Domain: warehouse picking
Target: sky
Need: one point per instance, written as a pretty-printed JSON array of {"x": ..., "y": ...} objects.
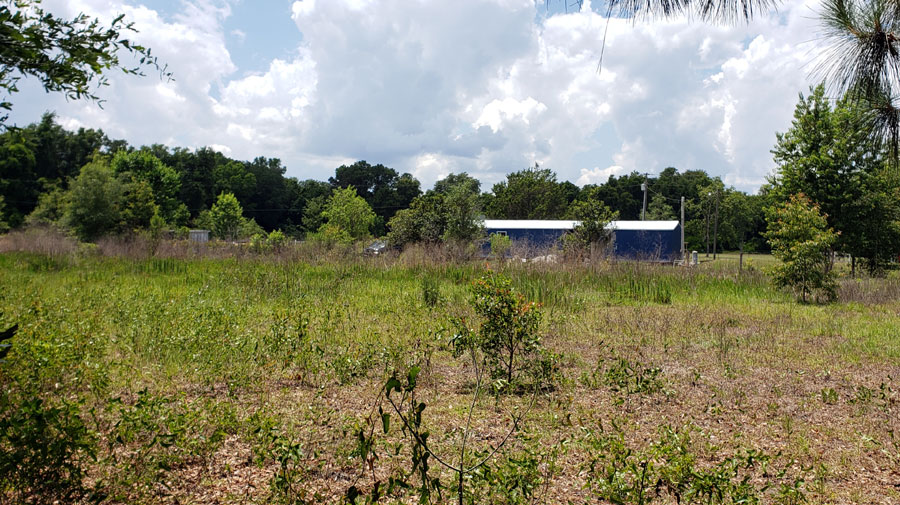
[{"x": 433, "y": 87}]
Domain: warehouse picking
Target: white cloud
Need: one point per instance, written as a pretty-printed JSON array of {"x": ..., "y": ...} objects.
[
  {"x": 434, "y": 87},
  {"x": 598, "y": 175},
  {"x": 498, "y": 112}
]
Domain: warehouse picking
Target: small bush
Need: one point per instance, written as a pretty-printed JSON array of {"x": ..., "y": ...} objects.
[
  {"x": 43, "y": 450},
  {"x": 500, "y": 245},
  {"x": 507, "y": 333}
]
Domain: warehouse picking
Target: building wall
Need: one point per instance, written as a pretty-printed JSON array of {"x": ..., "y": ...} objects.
[{"x": 652, "y": 245}]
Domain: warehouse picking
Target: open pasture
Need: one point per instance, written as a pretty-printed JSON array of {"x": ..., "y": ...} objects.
[{"x": 261, "y": 380}]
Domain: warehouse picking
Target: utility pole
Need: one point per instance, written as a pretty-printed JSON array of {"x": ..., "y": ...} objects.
[
  {"x": 716, "y": 225},
  {"x": 644, "y": 189},
  {"x": 683, "y": 258},
  {"x": 706, "y": 215}
]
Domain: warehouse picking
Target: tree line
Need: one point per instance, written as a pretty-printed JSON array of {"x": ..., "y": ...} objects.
[{"x": 93, "y": 185}]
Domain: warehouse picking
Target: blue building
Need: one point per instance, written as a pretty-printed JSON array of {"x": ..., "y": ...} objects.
[{"x": 642, "y": 240}]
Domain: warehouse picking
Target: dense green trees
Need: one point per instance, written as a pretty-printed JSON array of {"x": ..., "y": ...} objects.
[
  {"x": 450, "y": 212},
  {"x": 818, "y": 156},
  {"x": 828, "y": 156},
  {"x": 43, "y": 159},
  {"x": 381, "y": 187},
  {"x": 347, "y": 215},
  {"x": 226, "y": 216},
  {"x": 162, "y": 181},
  {"x": 93, "y": 204},
  {"x": 532, "y": 193},
  {"x": 592, "y": 231}
]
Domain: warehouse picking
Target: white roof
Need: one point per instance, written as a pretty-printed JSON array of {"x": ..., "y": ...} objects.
[
  {"x": 559, "y": 224},
  {"x": 644, "y": 225},
  {"x": 529, "y": 224}
]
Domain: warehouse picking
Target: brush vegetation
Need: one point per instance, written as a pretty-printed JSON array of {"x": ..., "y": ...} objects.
[{"x": 262, "y": 379}]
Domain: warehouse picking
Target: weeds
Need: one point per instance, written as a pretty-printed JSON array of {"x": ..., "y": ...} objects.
[
  {"x": 669, "y": 470},
  {"x": 431, "y": 295},
  {"x": 210, "y": 341},
  {"x": 621, "y": 375}
]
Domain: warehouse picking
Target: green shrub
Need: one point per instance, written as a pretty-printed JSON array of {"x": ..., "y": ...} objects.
[
  {"x": 43, "y": 450},
  {"x": 507, "y": 332},
  {"x": 801, "y": 239},
  {"x": 500, "y": 245},
  {"x": 276, "y": 240}
]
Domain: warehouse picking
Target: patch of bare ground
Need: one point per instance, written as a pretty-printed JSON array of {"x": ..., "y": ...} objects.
[{"x": 841, "y": 441}]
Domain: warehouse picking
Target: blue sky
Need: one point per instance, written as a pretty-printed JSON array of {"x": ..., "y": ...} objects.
[{"x": 432, "y": 87}]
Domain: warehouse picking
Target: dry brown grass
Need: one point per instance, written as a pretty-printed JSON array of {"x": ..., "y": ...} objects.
[{"x": 43, "y": 240}]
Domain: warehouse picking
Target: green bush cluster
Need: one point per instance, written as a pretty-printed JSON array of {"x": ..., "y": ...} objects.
[{"x": 668, "y": 470}]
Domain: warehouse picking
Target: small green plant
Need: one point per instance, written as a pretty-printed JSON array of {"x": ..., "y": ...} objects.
[
  {"x": 507, "y": 333},
  {"x": 829, "y": 396},
  {"x": 431, "y": 294},
  {"x": 276, "y": 240},
  {"x": 633, "y": 377},
  {"x": 160, "y": 432},
  {"x": 863, "y": 395},
  {"x": 624, "y": 376},
  {"x": 258, "y": 243}
]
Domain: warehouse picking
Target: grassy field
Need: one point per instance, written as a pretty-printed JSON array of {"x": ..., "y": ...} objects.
[{"x": 262, "y": 381}]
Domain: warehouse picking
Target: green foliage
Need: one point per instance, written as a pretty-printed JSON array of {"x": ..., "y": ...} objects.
[
  {"x": 277, "y": 239},
  {"x": 159, "y": 432},
  {"x": 642, "y": 288},
  {"x": 50, "y": 208},
  {"x": 157, "y": 225},
  {"x": 94, "y": 201},
  {"x": 66, "y": 56},
  {"x": 142, "y": 167},
  {"x": 139, "y": 207},
  {"x": 463, "y": 213},
  {"x": 226, "y": 217},
  {"x": 431, "y": 294},
  {"x": 44, "y": 449},
  {"x": 347, "y": 212},
  {"x": 659, "y": 209},
  {"x": 668, "y": 470},
  {"x": 592, "y": 230},
  {"x": 828, "y": 156},
  {"x": 500, "y": 245},
  {"x": 801, "y": 240},
  {"x": 379, "y": 186},
  {"x": 233, "y": 177},
  {"x": 532, "y": 193},
  {"x": 424, "y": 221},
  {"x": 513, "y": 479},
  {"x": 330, "y": 235},
  {"x": 621, "y": 375},
  {"x": 507, "y": 333},
  {"x": 4, "y": 225},
  {"x": 450, "y": 213}
]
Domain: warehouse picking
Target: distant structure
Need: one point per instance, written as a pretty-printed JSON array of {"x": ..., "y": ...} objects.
[
  {"x": 199, "y": 235},
  {"x": 636, "y": 240}
]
